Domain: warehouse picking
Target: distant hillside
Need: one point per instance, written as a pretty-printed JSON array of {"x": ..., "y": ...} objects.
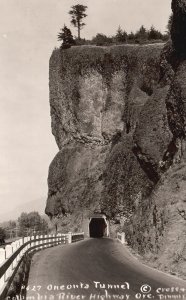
[{"x": 35, "y": 205}]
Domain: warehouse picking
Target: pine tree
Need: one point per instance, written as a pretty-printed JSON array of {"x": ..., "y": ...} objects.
[
  {"x": 66, "y": 37},
  {"x": 121, "y": 36},
  {"x": 142, "y": 34},
  {"x": 154, "y": 34},
  {"x": 131, "y": 36},
  {"x": 77, "y": 13}
]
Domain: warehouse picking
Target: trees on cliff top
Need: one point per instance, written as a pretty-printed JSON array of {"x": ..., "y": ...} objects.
[
  {"x": 121, "y": 36},
  {"x": 66, "y": 37},
  {"x": 77, "y": 13}
]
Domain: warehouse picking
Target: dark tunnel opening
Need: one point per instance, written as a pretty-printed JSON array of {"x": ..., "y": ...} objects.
[{"x": 97, "y": 227}]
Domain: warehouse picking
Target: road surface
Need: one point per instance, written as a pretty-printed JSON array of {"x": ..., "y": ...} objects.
[{"x": 97, "y": 269}]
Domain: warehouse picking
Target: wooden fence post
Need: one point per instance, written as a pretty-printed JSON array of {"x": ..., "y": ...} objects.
[
  {"x": 58, "y": 238},
  {"x": 28, "y": 239},
  {"x": 31, "y": 241},
  {"x": 37, "y": 243},
  {"x": 2, "y": 259},
  {"x": 45, "y": 241},
  {"x": 61, "y": 239},
  {"x": 70, "y": 237},
  {"x": 123, "y": 238},
  {"x": 49, "y": 240},
  {"x": 41, "y": 242},
  {"x": 14, "y": 248},
  {"x": 53, "y": 240},
  {"x": 17, "y": 246},
  {"x": 8, "y": 252},
  {"x": 25, "y": 240},
  {"x": 20, "y": 241}
]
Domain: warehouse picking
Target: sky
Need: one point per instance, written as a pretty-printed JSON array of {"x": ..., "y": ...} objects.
[{"x": 28, "y": 34}]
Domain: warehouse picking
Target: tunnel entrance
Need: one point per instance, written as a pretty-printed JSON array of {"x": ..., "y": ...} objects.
[{"x": 98, "y": 227}]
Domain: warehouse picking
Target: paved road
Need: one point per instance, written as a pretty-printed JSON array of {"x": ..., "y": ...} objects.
[{"x": 97, "y": 269}]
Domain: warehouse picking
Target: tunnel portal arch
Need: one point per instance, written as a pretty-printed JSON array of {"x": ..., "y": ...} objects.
[{"x": 98, "y": 226}]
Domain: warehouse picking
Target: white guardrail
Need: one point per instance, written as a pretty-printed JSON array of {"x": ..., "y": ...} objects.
[
  {"x": 13, "y": 255},
  {"x": 121, "y": 237}
]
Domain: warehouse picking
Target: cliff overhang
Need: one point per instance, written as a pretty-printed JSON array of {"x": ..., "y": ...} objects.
[{"x": 118, "y": 116}]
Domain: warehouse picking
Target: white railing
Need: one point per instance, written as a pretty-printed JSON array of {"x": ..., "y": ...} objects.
[
  {"x": 121, "y": 237},
  {"x": 13, "y": 255}
]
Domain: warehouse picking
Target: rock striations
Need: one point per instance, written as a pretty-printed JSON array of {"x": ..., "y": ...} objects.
[{"x": 118, "y": 117}]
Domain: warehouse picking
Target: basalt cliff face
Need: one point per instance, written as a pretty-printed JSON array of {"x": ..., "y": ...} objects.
[{"x": 118, "y": 117}]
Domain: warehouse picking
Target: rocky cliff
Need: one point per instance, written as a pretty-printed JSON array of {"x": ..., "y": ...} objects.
[{"x": 118, "y": 117}]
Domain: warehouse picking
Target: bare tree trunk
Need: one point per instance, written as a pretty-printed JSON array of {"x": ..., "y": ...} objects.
[
  {"x": 78, "y": 33},
  {"x": 79, "y": 30}
]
